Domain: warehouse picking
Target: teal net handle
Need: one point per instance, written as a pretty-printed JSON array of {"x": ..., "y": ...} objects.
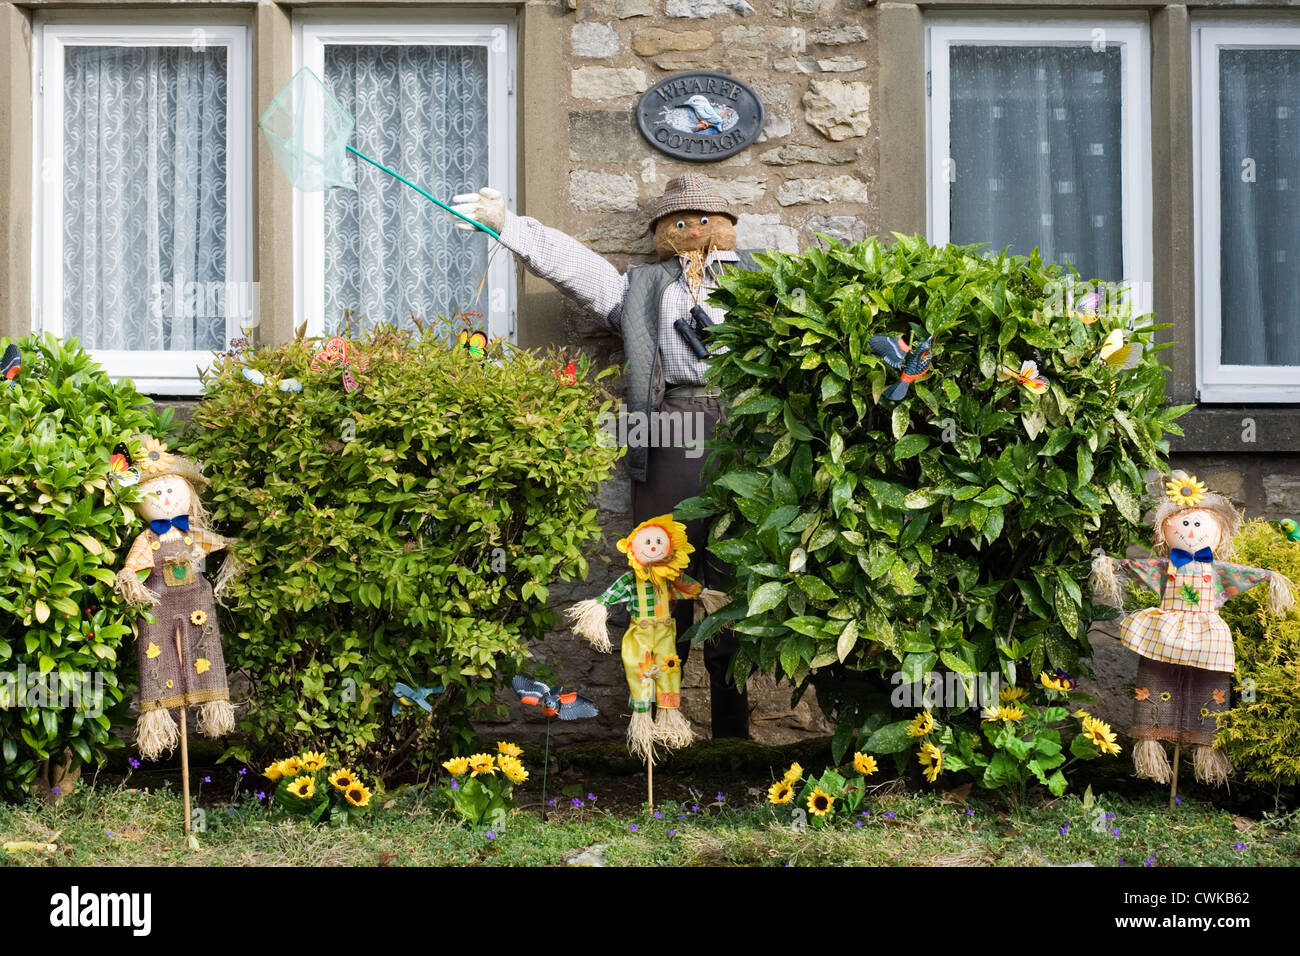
[{"x": 433, "y": 199}]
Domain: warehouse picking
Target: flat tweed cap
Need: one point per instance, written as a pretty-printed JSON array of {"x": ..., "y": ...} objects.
[{"x": 689, "y": 192}]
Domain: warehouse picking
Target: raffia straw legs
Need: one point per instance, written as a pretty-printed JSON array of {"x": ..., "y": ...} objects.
[
  {"x": 156, "y": 734},
  {"x": 672, "y": 729},
  {"x": 216, "y": 718},
  {"x": 1211, "y": 766},
  {"x": 1150, "y": 761},
  {"x": 641, "y": 736}
]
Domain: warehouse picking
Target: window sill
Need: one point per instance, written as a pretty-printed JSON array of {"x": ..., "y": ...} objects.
[{"x": 1240, "y": 429}]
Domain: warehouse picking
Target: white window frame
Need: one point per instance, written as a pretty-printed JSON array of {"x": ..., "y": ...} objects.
[
  {"x": 943, "y": 32},
  {"x": 312, "y": 33},
  {"x": 1216, "y": 382},
  {"x": 155, "y": 372}
]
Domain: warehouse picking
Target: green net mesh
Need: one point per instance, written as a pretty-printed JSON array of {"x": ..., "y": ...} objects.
[{"x": 308, "y": 132}]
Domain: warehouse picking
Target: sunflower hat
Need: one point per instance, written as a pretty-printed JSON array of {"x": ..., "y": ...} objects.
[
  {"x": 679, "y": 553},
  {"x": 154, "y": 460}
]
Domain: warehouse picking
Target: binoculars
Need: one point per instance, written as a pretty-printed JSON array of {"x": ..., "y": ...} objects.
[{"x": 696, "y": 331}]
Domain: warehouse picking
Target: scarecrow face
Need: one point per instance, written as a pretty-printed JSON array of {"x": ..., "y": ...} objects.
[
  {"x": 164, "y": 497},
  {"x": 1192, "y": 530},
  {"x": 651, "y": 545},
  {"x": 680, "y": 232}
]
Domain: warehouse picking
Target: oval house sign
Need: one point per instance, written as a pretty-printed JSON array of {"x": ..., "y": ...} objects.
[{"x": 700, "y": 116}]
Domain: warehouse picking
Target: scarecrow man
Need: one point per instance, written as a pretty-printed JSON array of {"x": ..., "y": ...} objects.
[
  {"x": 658, "y": 553},
  {"x": 694, "y": 239}
]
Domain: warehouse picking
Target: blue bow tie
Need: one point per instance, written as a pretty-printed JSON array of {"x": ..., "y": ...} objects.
[
  {"x": 162, "y": 525},
  {"x": 1180, "y": 557}
]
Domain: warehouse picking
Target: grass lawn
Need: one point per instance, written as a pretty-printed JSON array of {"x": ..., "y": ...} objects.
[{"x": 120, "y": 824}]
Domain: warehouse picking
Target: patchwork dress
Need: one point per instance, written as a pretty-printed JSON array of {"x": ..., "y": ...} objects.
[
  {"x": 650, "y": 662},
  {"x": 1186, "y": 655},
  {"x": 186, "y": 603}
]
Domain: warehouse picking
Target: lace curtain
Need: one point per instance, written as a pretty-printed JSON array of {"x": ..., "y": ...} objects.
[
  {"x": 1259, "y": 164},
  {"x": 1035, "y": 142},
  {"x": 144, "y": 196},
  {"x": 389, "y": 252}
]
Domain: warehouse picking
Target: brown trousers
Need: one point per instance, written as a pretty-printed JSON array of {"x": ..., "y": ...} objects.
[{"x": 673, "y": 474}]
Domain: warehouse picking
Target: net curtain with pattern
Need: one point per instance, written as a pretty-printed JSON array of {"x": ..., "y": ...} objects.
[
  {"x": 1035, "y": 139},
  {"x": 1259, "y": 242},
  {"x": 390, "y": 253},
  {"x": 144, "y": 197}
]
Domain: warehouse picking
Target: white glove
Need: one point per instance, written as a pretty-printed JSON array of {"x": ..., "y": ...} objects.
[{"x": 486, "y": 206}]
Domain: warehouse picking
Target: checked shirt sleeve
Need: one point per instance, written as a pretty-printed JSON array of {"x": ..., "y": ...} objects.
[
  {"x": 140, "y": 556},
  {"x": 622, "y": 591},
  {"x": 567, "y": 264}
]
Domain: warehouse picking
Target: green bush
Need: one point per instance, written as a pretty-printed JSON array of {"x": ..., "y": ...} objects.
[
  {"x": 62, "y": 537},
  {"x": 949, "y": 532},
  {"x": 1262, "y": 736},
  {"x": 407, "y": 531}
]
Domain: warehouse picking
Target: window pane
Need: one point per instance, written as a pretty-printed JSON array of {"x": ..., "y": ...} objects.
[
  {"x": 1259, "y": 163},
  {"x": 1035, "y": 144},
  {"x": 389, "y": 252},
  {"x": 144, "y": 197}
]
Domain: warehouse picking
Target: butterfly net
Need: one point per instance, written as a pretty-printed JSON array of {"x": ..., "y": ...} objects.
[{"x": 308, "y": 132}]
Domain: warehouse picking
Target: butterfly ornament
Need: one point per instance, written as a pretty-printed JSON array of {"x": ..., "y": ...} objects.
[
  {"x": 121, "y": 467},
  {"x": 336, "y": 351},
  {"x": 1028, "y": 376},
  {"x": 475, "y": 343},
  {"x": 1115, "y": 351},
  {"x": 912, "y": 363}
]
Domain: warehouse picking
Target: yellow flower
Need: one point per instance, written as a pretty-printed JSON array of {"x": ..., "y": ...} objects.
[
  {"x": 312, "y": 761},
  {"x": 170, "y": 684},
  {"x": 1012, "y": 695},
  {"x": 198, "y": 618},
  {"x": 864, "y": 764},
  {"x": 820, "y": 802},
  {"x": 202, "y": 665},
  {"x": 456, "y": 766},
  {"x": 291, "y": 766},
  {"x": 273, "y": 772},
  {"x": 1205, "y": 712},
  {"x": 671, "y": 663},
  {"x": 780, "y": 792},
  {"x": 482, "y": 763},
  {"x": 152, "y": 651},
  {"x": 512, "y": 768},
  {"x": 1099, "y": 733},
  {"x": 1054, "y": 683},
  {"x": 304, "y": 787},
  {"x": 357, "y": 795},
  {"x": 1012, "y": 712},
  {"x": 155, "y": 457},
  {"x": 1185, "y": 492},
  {"x": 921, "y": 724},
  {"x": 931, "y": 758},
  {"x": 342, "y": 779},
  {"x": 793, "y": 774},
  {"x": 509, "y": 749},
  {"x": 1166, "y": 696}
]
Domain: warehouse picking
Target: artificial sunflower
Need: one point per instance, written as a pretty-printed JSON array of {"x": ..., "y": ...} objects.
[
  {"x": 170, "y": 684},
  {"x": 290, "y": 766},
  {"x": 1166, "y": 696},
  {"x": 1059, "y": 682},
  {"x": 273, "y": 772},
  {"x": 780, "y": 792},
  {"x": 509, "y": 749},
  {"x": 198, "y": 618},
  {"x": 671, "y": 663},
  {"x": 1142, "y": 693},
  {"x": 312, "y": 761},
  {"x": 1011, "y": 712},
  {"x": 202, "y": 665},
  {"x": 661, "y": 572},
  {"x": 155, "y": 457},
  {"x": 304, "y": 787},
  {"x": 1205, "y": 712},
  {"x": 820, "y": 802},
  {"x": 1185, "y": 492},
  {"x": 1013, "y": 695},
  {"x": 152, "y": 651},
  {"x": 482, "y": 763},
  {"x": 1099, "y": 733},
  {"x": 456, "y": 766},
  {"x": 358, "y": 795},
  {"x": 512, "y": 768},
  {"x": 342, "y": 779},
  {"x": 793, "y": 774},
  {"x": 864, "y": 764},
  {"x": 921, "y": 724},
  {"x": 1081, "y": 713},
  {"x": 931, "y": 758}
]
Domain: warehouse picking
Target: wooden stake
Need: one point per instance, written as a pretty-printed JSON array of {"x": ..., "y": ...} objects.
[
  {"x": 1173, "y": 779},
  {"x": 650, "y": 779},
  {"x": 185, "y": 743}
]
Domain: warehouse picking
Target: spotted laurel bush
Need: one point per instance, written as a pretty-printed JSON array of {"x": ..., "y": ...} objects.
[
  {"x": 406, "y": 531},
  {"x": 62, "y": 535},
  {"x": 950, "y": 532}
]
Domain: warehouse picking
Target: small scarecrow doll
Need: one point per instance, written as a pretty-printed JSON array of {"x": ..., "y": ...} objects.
[
  {"x": 657, "y": 551},
  {"x": 1185, "y": 648},
  {"x": 180, "y": 599}
]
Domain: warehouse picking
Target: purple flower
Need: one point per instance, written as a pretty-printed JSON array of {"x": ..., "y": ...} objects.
[
  {"x": 1065, "y": 830},
  {"x": 551, "y": 801},
  {"x": 456, "y": 786},
  {"x": 695, "y": 808},
  {"x": 659, "y": 814},
  {"x": 491, "y": 835},
  {"x": 1178, "y": 800},
  {"x": 1109, "y": 816},
  {"x": 577, "y": 801},
  {"x": 632, "y": 827},
  {"x": 261, "y": 794},
  {"x": 1240, "y": 846},
  {"x": 1121, "y": 861},
  {"x": 135, "y": 764},
  {"x": 1114, "y": 831},
  {"x": 858, "y": 824},
  {"x": 1149, "y": 861},
  {"x": 672, "y": 833},
  {"x": 681, "y": 816},
  {"x": 56, "y": 791},
  {"x": 207, "y": 779},
  {"x": 243, "y": 771},
  {"x": 591, "y": 797},
  {"x": 970, "y": 813},
  {"x": 721, "y": 796},
  {"x": 110, "y": 833},
  {"x": 889, "y": 815},
  {"x": 866, "y": 813}
]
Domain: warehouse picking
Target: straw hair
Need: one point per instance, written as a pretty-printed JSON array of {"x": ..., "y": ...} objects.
[{"x": 1211, "y": 766}]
